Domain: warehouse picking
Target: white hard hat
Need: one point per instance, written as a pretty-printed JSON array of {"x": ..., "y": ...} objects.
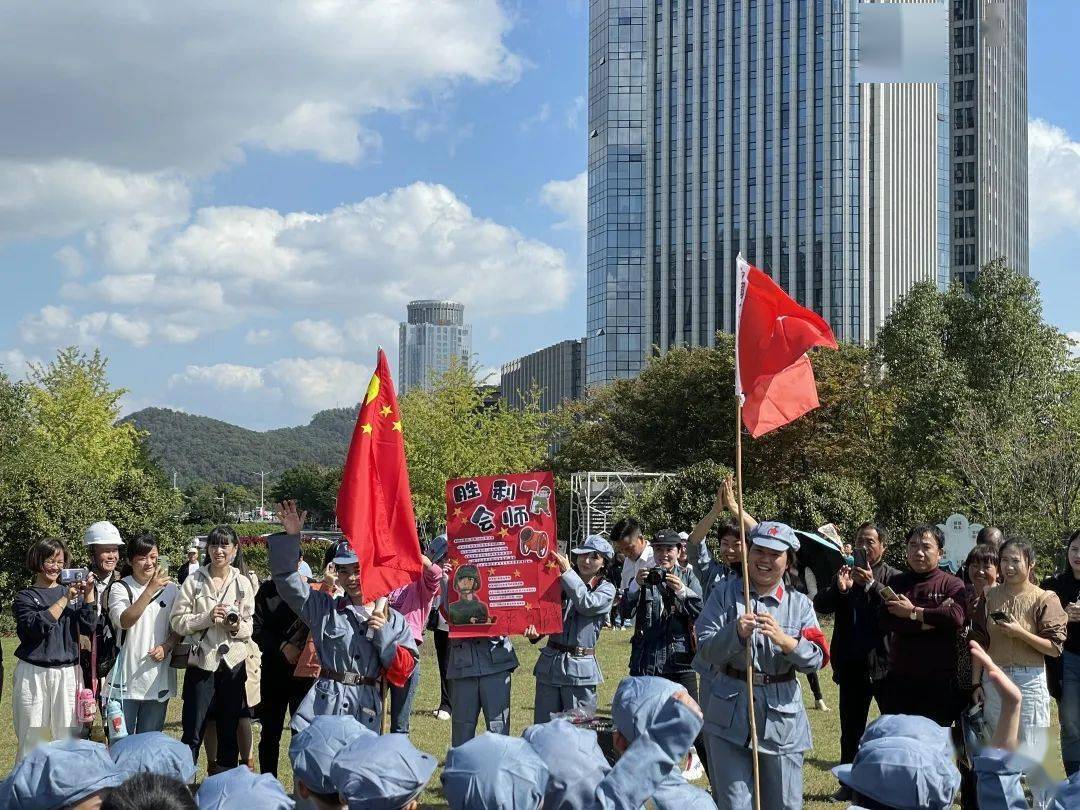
[{"x": 102, "y": 533}]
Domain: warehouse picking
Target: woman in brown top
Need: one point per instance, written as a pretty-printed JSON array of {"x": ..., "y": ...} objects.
[{"x": 1024, "y": 623}]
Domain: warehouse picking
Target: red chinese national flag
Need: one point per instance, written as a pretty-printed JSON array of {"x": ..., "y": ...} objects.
[
  {"x": 374, "y": 506},
  {"x": 773, "y": 375}
]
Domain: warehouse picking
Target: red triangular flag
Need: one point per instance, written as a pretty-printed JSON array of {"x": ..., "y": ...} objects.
[
  {"x": 374, "y": 505},
  {"x": 773, "y": 375}
]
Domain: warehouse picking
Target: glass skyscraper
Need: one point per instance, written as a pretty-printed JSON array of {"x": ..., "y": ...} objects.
[
  {"x": 616, "y": 305},
  {"x": 988, "y": 65},
  {"x": 748, "y": 132}
]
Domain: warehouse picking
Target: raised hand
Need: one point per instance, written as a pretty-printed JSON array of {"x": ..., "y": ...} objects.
[{"x": 292, "y": 520}]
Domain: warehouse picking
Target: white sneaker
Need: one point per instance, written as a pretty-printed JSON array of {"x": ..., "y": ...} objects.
[
  {"x": 442, "y": 714},
  {"x": 821, "y": 707},
  {"x": 694, "y": 769}
]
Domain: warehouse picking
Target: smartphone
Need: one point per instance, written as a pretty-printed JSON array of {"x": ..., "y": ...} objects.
[
  {"x": 1000, "y": 616},
  {"x": 860, "y": 558},
  {"x": 69, "y": 576},
  {"x": 888, "y": 594}
]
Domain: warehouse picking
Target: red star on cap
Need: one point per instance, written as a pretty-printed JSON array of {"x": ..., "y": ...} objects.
[{"x": 773, "y": 531}]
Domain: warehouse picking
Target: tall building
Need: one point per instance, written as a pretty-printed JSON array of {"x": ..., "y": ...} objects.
[
  {"x": 988, "y": 65},
  {"x": 434, "y": 336},
  {"x": 749, "y": 132},
  {"x": 616, "y": 307},
  {"x": 555, "y": 373}
]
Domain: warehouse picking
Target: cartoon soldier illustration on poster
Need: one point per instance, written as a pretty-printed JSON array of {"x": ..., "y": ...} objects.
[{"x": 468, "y": 609}]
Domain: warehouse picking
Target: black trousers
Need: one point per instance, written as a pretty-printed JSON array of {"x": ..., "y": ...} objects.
[
  {"x": 856, "y": 693},
  {"x": 280, "y": 692},
  {"x": 690, "y": 684},
  {"x": 815, "y": 685},
  {"x": 933, "y": 697},
  {"x": 442, "y": 652},
  {"x": 200, "y": 689}
]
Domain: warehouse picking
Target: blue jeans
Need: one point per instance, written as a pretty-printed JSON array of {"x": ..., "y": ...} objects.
[
  {"x": 144, "y": 715},
  {"x": 1069, "y": 712},
  {"x": 401, "y": 700}
]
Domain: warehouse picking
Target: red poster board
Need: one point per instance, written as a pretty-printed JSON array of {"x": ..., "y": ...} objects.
[{"x": 504, "y": 577}]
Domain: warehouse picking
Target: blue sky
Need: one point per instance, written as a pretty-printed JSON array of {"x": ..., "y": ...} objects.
[{"x": 236, "y": 206}]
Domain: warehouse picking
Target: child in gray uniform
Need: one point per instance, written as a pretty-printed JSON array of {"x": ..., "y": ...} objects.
[{"x": 567, "y": 673}]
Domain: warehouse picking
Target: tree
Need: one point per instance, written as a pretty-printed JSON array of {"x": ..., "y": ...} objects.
[
  {"x": 451, "y": 433},
  {"x": 313, "y": 486},
  {"x": 66, "y": 463}
]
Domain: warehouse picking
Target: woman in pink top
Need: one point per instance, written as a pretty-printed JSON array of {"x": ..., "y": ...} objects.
[{"x": 413, "y": 601}]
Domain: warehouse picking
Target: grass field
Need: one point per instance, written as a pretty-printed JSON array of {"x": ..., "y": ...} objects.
[{"x": 433, "y": 735}]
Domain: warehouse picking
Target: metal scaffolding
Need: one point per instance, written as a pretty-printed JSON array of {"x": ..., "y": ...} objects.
[{"x": 595, "y": 495}]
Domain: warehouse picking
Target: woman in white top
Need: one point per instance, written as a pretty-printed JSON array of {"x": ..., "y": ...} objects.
[
  {"x": 214, "y": 609},
  {"x": 140, "y": 605}
]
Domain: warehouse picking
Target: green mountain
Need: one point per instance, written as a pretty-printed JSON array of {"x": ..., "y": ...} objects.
[{"x": 215, "y": 451}]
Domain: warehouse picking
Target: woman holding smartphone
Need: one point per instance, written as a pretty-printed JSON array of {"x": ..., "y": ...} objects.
[
  {"x": 139, "y": 608},
  {"x": 1023, "y": 623},
  {"x": 1067, "y": 587},
  {"x": 49, "y": 616}
]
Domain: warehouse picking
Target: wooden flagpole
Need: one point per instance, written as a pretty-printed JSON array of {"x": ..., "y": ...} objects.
[{"x": 747, "y": 604}]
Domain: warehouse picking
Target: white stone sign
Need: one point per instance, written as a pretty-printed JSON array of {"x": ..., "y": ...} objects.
[{"x": 959, "y": 537}]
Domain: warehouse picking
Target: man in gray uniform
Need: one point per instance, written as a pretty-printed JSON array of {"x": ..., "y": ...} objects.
[
  {"x": 479, "y": 673},
  {"x": 357, "y": 647}
]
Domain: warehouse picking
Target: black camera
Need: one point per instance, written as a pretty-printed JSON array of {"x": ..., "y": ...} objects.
[
  {"x": 232, "y": 617},
  {"x": 656, "y": 575}
]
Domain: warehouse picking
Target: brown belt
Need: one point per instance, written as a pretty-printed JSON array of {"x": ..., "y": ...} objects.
[
  {"x": 349, "y": 678},
  {"x": 577, "y": 652},
  {"x": 760, "y": 678}
]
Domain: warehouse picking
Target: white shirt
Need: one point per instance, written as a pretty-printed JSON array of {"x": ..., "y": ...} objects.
[
  {"x": 630, "y": 569},
  {"x": 192, "y": 567},
  {"x": 145, "y": 678}
]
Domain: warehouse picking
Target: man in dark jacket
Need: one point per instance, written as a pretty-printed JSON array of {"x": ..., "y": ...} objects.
[
  {"x": 859, "y": 658},
  {"x": 668, "y": 603}
]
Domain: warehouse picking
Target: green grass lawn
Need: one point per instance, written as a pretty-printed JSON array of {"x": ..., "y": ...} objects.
[{"x": 433, "y": 735}]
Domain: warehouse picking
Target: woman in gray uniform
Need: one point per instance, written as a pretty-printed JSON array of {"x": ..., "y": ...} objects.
[{"x": 567, "y": 673}]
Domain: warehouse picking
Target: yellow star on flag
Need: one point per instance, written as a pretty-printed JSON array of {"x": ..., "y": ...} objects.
[
  {"x": 386, "y": 410},
  {"x": 397, "y": 426},
  {"x": 367, "y": 428}
]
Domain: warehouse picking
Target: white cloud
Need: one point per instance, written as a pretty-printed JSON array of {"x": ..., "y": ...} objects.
[
  {"x": 223, "y": 377},
  {"x": 305, "y": 385},
  {"x": 569, "y": 199},
  {"x": 541, "y": 116},
  {"x": 150, "y": 98},
  {"x": 58, "y": 326},
  {"x": 62, "y": 196},
  {"x": 148, "y": 86},
  {"x": 16, "y": 363},
  {"x": 258, "y": 337},
  {"x": 321, "y": 336},
  {"x": 1054, "y": 179},
  {"x": 320, "y": 382},
  {"x": 373, "y": 256},
  {"x": 575, "y": 113}
]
